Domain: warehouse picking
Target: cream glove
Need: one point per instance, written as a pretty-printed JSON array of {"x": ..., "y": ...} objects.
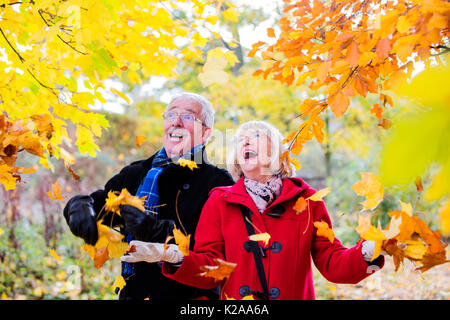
[
  {"x": 153, "y": 252},
  {"x": 367, "y": 249}
]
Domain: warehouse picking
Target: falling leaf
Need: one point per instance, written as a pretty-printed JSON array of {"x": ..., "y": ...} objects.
[
  {"x": 319, "y": 194},
  {"x": 120, "y": 94},
  {"x": 56, "y": 189},
  {"x": 101, "y": 256},
  {"x": 55, "y": 255},
  {"x": 189, "y": 163},
  {"x": 74, "y": 175},
  {"x": 213, "y": 71},
  {"x": 300, "y": 205},
  {"x": 119, "y": 282},
  {"x": 406, "y": 207},
  {"x": 140, "y": 140},
  {"x": 182, "y": 241},
  {"x": 265, "y": 237},
  {"x": 418, "y": 183},
  {"x": 324, "y": 230},
  {"x": 369, "y": 186},
  {"x": 220, "y": 271},
  {"x": 113, "y": 201},
  {"x": 385, "y": 123}
]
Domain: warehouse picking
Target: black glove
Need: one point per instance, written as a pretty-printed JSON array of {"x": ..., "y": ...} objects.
[
  {"x": 137, "y": 222},
  {"x": 144, "y": 226},
  {"x": 81, "y": 218}
]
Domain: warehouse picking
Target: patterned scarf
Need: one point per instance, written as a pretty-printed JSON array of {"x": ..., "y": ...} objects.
[
  {"x": 149, "y": 188},
  {"x": 263, "y": 194}
]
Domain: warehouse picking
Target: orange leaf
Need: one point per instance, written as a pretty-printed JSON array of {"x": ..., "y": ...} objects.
[
  {"x": 140, "y": 140},
  {"x": 385, "y": 123},
  {"x": 270, "y": 33},
  {"x": 101, "y": 256},
  {"x": 377, "y": 110},
  {"x": 418, "y": 183},
  {"x": 56, "y": 189},
  {"x": 324, "y": 230},
  {"x": 220, "y": 271},
  {"x": 353, "y": 54},
  {"x": 383, "y": 48},
  {"x": 339, "y": 103},
  {"x": 430, "y": 260},
  {"x": 300, "y": 205}
]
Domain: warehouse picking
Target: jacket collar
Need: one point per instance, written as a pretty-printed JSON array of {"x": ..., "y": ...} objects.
[
  {"x": 198, "y": 156},
  {"x": 291, "y": 188}
]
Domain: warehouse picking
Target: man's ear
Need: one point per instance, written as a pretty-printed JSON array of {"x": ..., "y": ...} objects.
[{"x": 206, "y": 134}]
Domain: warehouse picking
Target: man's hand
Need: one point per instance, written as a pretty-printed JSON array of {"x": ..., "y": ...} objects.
[
  {"x": 137, "y": 222},
  {"x": 153, "y": 252},
  {"x": 81, "y": 218}
]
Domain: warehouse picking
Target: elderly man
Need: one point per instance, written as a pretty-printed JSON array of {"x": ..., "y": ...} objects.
[{"x": 175, "y": 197}]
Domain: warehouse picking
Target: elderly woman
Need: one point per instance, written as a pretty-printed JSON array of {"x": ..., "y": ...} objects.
[{"x": 262, "y": 201}]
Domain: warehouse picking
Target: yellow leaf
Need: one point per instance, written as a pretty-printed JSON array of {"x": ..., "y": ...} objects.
[
  {"x": 56, "y": 188},
  {"x": 369, "y": 186},
  {"x": 265, "y": 237},
  {"x": 120, "y": 94},
  {"x": 231, "y": 15},
  {"x": 324, "y": 230},
  {"x": 55, "y": 255},
  {"x": 182, "y": 241},
  {"x": 406, "y": 207},
  {"x": 117, "y": 249},
  {"x": 213, "y": 72},
  {"x": 6, "y": 178},
  {"x": 119, "y": 282},
  {"x": 189, "y": 163},
  {"x": 319, "y": 194}
]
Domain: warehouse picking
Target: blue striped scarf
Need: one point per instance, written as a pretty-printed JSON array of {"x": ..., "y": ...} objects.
[{"x": 149, "y": 188}]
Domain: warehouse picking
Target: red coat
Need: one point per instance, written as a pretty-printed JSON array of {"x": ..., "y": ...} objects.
[{"x": 221, "y": 233}]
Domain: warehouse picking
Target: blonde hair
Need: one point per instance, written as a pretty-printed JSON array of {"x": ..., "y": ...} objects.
[{"x": 279, "y": 165}]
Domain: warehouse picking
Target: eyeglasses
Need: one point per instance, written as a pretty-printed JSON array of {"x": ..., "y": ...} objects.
[{"x": 185, "y": 117}]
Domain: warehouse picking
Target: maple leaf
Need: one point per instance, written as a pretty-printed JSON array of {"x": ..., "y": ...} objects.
[
  {"x": 220, "y": 271},
  {"x": 319, "y": 195},
  {"x": 430, "y": 260},
  {"x": 114, "y": 200},
  {"x": 189, "y": 163},
  {"x": 100, "y": 257},
  {"x": 182, "y": 241},
  {"x": 324, "y": 230},
  {"x": 56, "y": 189},
  {"x": 369, "y": 186},
  {"x": 264, "y": 237},
  {"x": 55, "y": 255},
  {"x": 140, "y": 140},
  {"x": 300, "y": 205}
]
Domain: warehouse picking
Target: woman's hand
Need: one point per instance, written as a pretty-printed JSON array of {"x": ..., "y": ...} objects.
[
  {"x": 367, "y": 249},
  {"x": 153, "y": 252}
]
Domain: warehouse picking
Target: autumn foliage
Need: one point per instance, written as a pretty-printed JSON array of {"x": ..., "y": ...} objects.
[{"x": 349, "y": 48}]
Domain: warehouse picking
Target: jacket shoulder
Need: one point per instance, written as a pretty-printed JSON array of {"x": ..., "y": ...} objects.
[{"x": 220, "y": 175}]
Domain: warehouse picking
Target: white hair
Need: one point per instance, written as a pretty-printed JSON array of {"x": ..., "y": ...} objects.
[
  {"x": 279, "y": 164},
  {"x": 207, "y": 114}
]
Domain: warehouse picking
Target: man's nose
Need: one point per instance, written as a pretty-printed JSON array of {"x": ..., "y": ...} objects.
[{"x": 177, "y": 122}]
